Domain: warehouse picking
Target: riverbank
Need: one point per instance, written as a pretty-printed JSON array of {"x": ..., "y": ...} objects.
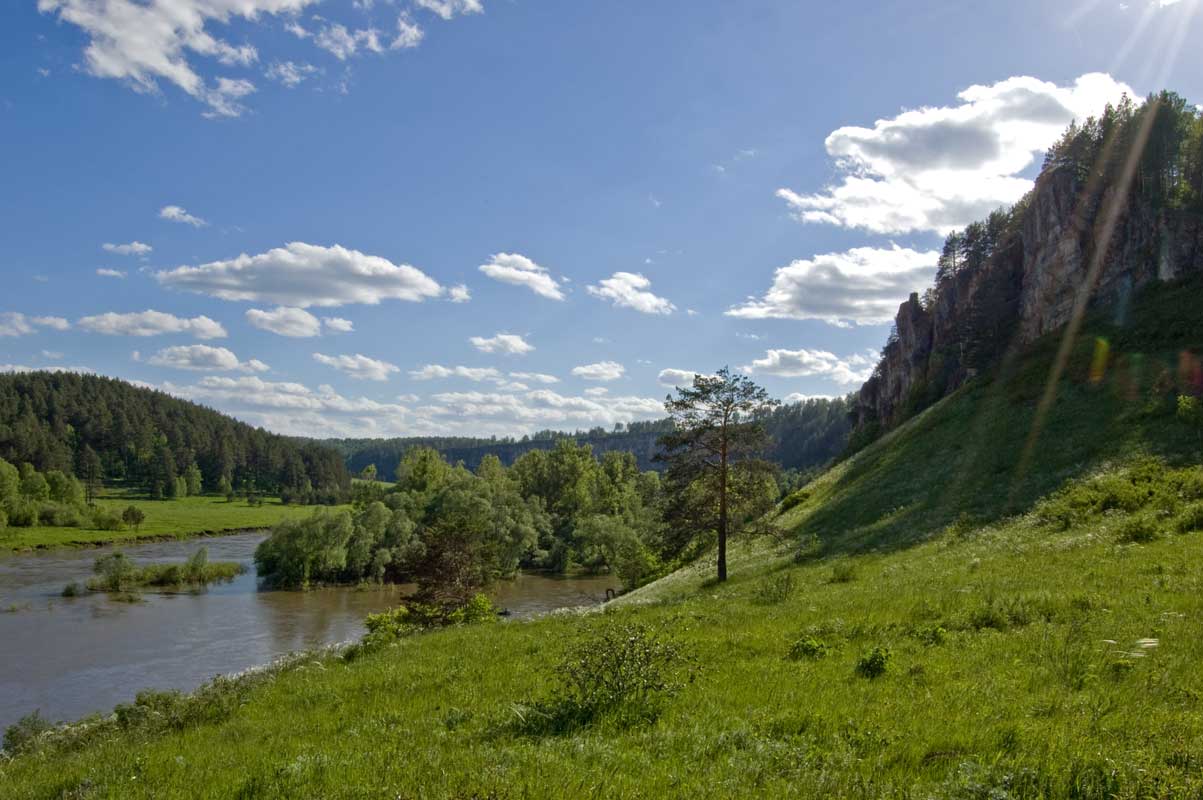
[
  {"x": 185, "y": 518},
  {"x": 1012, "y": 657}
]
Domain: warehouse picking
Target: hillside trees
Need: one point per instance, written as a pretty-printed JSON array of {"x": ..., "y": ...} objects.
[{"x": 714, "y": 467}]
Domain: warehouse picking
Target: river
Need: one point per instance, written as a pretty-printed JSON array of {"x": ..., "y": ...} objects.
[{"x": 69, "y": 657}]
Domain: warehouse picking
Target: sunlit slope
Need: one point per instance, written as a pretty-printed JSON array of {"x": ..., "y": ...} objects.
[{"x": 986, "y": 452}]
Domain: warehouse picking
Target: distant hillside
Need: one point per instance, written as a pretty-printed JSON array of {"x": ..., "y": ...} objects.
[
  {"x": 1118, "y": 206},
  {"x": 805, "y": 435},
  {"x": 145, "y": 437}
]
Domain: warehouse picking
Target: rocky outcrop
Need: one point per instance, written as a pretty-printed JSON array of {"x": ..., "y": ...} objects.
[{"x": 1028, "y": 288}]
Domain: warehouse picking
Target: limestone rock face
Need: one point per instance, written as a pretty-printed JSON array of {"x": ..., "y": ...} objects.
[{"x": 1028, "y": 288}]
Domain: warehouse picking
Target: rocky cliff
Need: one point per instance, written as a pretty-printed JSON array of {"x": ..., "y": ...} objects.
[{"x": 1028, "y": 287}]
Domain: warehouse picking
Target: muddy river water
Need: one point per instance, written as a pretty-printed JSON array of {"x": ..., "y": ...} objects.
[{"x": 68, "y": 657}]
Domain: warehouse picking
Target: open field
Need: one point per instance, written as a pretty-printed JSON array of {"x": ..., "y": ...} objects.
[{"x": 165, "y": 519}]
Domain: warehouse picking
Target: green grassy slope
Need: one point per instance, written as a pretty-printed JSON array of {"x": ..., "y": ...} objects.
[
  {"x": 165, "y": 519},
  {"x": 1041, "y": 616}
]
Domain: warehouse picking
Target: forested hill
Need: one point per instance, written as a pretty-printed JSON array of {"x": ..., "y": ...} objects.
[
  {"x": 143, "y": 437},
  {"x": 1118, "y": 205},
  {"x": 805, "y": 435}
]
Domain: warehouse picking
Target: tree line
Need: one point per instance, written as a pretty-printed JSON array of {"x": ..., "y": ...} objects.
[{"x": 106, "y": 430}]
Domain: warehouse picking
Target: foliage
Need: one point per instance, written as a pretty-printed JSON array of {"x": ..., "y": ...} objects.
[
  {"x": 874, "y": 663},
  {"x": 133, "y": 516},
  {"x": 24, "y": 732},
  {"x": 809, "y": 647},
  {"x": 413, "y": 616},
  {"x": 116, "y": 573},
  {"x": 143, "y": 437},
  {"x": 619, "y": 671},
  {"x": 715, "y": 444}
]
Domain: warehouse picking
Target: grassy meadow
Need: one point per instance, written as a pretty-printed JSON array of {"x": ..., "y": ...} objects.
[
  {"x": 165, "y": 519},
  {"x": 957, "y": 611}
]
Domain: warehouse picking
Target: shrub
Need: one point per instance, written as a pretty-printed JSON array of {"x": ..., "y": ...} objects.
[
  {"x": 114, "y": 573},
  {"x": 104, "y": 519},
  {"x": 73, "y": 589},
  {"x": 59, "y": 516},
  {"x": 24, "y": 732},
  {"x": 133, "y": 516},
  {"x": 22, "y": 512},
  {"x": 808, "y": 647},
  {"x": 389, "y": 626},
  {"x": 622, "y": 671},
  {"x": 843, "y": 572},
  {"x": 1138, "y": 530},
  {"x": 931, "y": 635},
  {"x": 809, "y": 547},
  {"x": 1191, "y": 519},
  {"x": 3, "y": 519},
  {"x": 795, "y": 499},
  {"x": 774, "y": 590},
  {"x": 874, "y": 663}
]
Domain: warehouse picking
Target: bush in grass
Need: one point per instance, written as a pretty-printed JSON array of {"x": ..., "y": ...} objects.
[
  {"x": 808, "y": 647},
  {"x": 1138, "y": 530},
  {"x": 21, "y": 511},
  {"x": 133, "y": 516},
  {"x": 105, "y": 519},
  {"x": 59, "y": 516},
  {"x": 874, "y": 663},
  {"x": 1190, "y": 519},
  {"x": 795, "y": 499},
  {"x": 620, "y": 671},
  {"x": 843, "y": 572},
  {"x": 411, "y": 617},
  {"x": 774, "y": 590},
  {"x": 931, "y": 635},
  {"x": 24, "y": 732}
]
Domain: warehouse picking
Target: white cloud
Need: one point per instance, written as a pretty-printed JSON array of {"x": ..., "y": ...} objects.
[
  {"x": 359, "y": 367},
  {"x": 630, "y": 290},
  {"x": 449, "y": 8},
  {"x": 798, "y": 397},
  {"x": 132, "y": 249},
  {"x": 601, "y": 371},
  {"x": 111, "y": 273},
  {"x": 815, "y": 363},
  {"x": 676, "y": 377},
  {"x": 507, "y": 343},
  {"x": 152, "y": 323},
  {"x": 459, "y": 293},
  {"x": 304, "y": 275},
  {"x": 203, "y": 358},
  {"x": 290, "y": 73},
  {"x": 142, "y": 44},
  {"x": 409, "y": 34},
  {"x": 14, "y": 323},
  {"x": 53, "y": 355},
  {"x": 863, "y": 286},
  {"x": 596, "y": 391},
  {"x": 939, "y": 168},
  {"x": 535, "y": 377},
  {"x": 520, "y": 412},
  {"x": 343, "y": 43},
  {"x": 178, "y": 214},
  {"x": 296, "y": 323},
  {"x": 46, "y": 368},
  {"x": 338, "y": 324},
  {"x": 521, "y": 271},
  {"x": 433, "y": 371}
]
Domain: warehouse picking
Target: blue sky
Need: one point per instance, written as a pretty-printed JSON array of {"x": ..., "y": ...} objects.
[{"x": 409, "y": 217}]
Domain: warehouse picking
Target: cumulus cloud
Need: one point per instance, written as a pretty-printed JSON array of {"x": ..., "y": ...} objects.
[
  {"x": 296, "y": 323},
  {"x": 152, "y": 323},
  {"x": 862, "y": 286},
  {"x": 601, "y": 371},
  {"x": 338, "y": 324},
  {"x": 409, "y": 34},
  {"x": 534, "y": 377},
  {"x": 305, "y": 275},
  {"x": 519, "y": 270},
  {"x": 131, "y": 249},
  {"x": 111, "y": 273},
  {"x": 798, "y": 397},
  {"x": 359, "y": 367},
  {"x": 46, "y": 368},
  {"x": 290, "y": 73},
  {"x": 203, "y": 358},
  {"x": 342, "y": 43},
  {"x": 459, "y": 293},
  {"x": 630, "y": 290},
  {"x": 14, "y": 323},
  {"x": 449, "y": 8},
  {"x": 806, "y": 363},
  {"x": 519, "y": 412},
  {"x": 939, "y": 168},
  {"x": 676, "y": 377},
  {"x": 178, "y": 214},
  {"x": 437, "y": 371},
  {"x": 143, "y": 44},
  {"x": 506, "y": 343}
]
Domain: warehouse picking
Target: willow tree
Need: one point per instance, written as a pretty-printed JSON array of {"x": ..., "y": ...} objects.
[{"x": 714, "y": 470}]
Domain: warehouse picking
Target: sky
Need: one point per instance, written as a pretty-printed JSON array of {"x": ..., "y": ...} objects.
[{"x": 491, "y": 217}]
